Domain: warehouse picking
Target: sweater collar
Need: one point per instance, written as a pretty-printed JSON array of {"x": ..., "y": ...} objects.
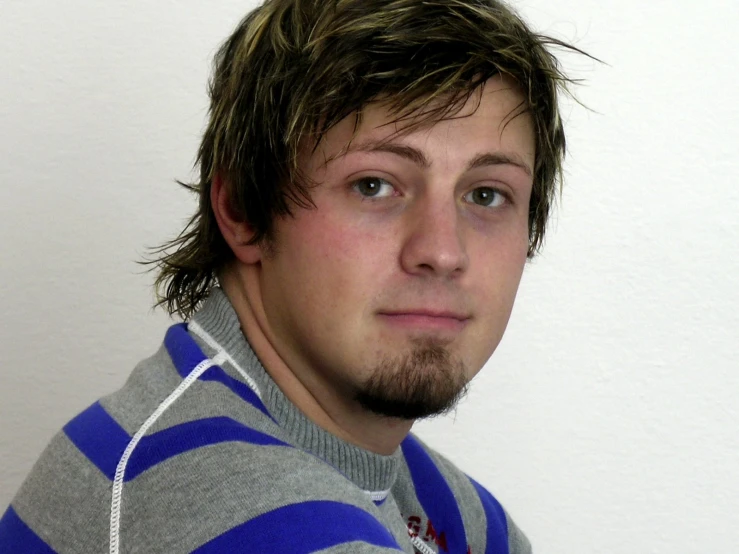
[{"x": 368, "y": 470}]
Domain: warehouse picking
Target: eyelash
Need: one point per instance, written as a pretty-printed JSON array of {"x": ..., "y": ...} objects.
[
  {"x": 358, "y": 182},
  {"x": 355, "y": 186},
  {"x": 498, "y": 193}
]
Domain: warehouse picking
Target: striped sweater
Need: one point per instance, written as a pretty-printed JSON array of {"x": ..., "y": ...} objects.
[{"x": 201, "y": 452}]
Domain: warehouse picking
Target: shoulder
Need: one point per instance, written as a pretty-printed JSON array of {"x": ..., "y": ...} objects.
[
  {"x": 251, "y": 492},
  {"x": 64, "y": 503},
  {"x": 158, "y": 467},
  {"x": 447, "y": 494}
]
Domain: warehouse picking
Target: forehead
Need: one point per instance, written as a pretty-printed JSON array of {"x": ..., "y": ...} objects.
[{"x": 492, "y": 117}]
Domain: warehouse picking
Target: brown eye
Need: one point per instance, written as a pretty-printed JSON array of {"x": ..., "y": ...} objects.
[
  {"x": 485, "y": 196},
  {"x": 373, "y": 187}
]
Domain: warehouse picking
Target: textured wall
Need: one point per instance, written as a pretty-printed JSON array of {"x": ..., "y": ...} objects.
[{"x": 607, "y": 420}]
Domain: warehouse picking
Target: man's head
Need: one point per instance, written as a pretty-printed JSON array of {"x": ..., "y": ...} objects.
[
  {"x": 378, "y": 172},
  {"x": 293, "y": 69}
]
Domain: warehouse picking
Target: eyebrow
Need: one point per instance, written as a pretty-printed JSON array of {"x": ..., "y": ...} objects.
[
  {"x": 420, "y": 159},
  {"x": 498, "y": 158}
]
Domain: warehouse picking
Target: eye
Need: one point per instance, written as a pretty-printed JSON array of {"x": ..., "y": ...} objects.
[
  {"x": 373, "y": 187},
  {"x": 485, "y": 196}
]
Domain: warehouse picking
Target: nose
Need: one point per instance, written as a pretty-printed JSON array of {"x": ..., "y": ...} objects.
[{"x": 434, "y": 243}]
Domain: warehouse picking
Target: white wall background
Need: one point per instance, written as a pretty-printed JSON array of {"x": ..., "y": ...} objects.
[{"x": 607, "y": 422}]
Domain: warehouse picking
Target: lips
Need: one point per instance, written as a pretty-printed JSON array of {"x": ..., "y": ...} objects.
[{"x": 426, "y": 320}]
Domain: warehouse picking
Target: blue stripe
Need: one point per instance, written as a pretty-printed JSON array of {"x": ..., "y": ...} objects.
[
  {"x": 99, "y": 437},
  {"x": 154, "y": 449},
  {"x": 435, "y": 496},
  {"x": 497, "y": 533},
  {"x": 186, "y": 355},
  {"x": 302, "y": 528},
  {"x": 184, "y": 351},
  {"x": 16, "y": 536}
]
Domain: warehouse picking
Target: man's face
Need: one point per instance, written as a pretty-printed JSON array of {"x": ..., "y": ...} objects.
[{"x": 392, "y": 293}]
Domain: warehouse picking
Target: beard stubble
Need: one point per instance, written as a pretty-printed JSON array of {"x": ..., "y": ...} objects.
[{"x": 427, "y": 381}]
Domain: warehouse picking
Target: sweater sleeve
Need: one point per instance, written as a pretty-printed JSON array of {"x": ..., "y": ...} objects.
[{"x": 517, "y": 541}]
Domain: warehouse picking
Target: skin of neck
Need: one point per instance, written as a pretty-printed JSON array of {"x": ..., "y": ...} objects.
[{"x": 320, "y": 403}]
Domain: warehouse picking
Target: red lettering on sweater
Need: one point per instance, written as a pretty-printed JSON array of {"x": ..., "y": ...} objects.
[
  {"x": 438, "y": 538},
  {"x": 431, "y": 534},
  {"x": 414, "y": 526}
]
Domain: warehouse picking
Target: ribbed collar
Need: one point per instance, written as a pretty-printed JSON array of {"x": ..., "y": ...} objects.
[{"x": 369, "y": 471}]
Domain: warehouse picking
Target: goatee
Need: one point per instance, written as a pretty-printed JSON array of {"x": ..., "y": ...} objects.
[{"x": 428, "y": 381}]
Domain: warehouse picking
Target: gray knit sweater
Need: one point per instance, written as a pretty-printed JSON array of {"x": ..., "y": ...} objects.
[{"x": 200, "y": 451}]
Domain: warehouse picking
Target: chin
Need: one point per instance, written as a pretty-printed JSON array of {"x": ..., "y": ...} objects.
[{"x": 428, "y": 380}]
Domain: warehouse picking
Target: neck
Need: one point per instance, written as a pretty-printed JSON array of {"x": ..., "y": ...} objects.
[{"x": 318, "y": 400}]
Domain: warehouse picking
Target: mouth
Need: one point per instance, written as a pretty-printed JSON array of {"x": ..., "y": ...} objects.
[{"x": 425, "y": 320}]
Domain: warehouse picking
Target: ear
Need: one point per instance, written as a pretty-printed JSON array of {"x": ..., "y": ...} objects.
[{"x": 237, "y": 233}]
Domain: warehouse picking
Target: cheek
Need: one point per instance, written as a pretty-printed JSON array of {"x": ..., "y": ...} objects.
[
  {"x": 500, "y": 264},
  {"x": 496, "y": 285},
  {"x": 334, "y": 264},
  {"x": 346, "y": 241}
]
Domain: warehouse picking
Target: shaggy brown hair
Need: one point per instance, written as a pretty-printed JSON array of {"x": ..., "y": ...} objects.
[{"x": 293, "y": 69}]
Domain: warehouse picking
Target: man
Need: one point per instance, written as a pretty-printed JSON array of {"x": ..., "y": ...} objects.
[{"x": 374, "y": 176}]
